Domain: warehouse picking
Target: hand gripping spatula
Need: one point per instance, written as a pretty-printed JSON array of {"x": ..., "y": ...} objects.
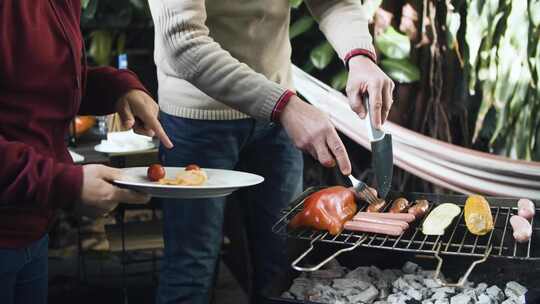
[{"x": 382, "y": 155}]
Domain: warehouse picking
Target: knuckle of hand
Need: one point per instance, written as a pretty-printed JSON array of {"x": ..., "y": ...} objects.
[
  {"x": 377, "y": 105},
  {"x": 338, "y": 148}
]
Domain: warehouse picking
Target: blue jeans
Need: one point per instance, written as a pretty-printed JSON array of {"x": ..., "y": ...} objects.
[
  {"x": 24, "y": 274},
  {"x": 193, "y": 228}
]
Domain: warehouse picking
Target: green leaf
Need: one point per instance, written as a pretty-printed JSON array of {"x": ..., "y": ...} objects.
[
  {"x": 301, "y": 26},
  {"x": 101, "y": 47},
  {"x": 139, "y": 4},
  {"x": 121, "y": 43},
  {"x": 339, "y": 81},
  {"x": 534, "y": 12},
  {"x": 84, "y": 4},
  {"x": 401, "y": 70},
  {"x": 453, "y": 22},
  {"x": 393, "y": 44},
  {"x": 295, "y": 3},
  {"x": 89, "y": 9},
  {"x": 322, "y": 55}
]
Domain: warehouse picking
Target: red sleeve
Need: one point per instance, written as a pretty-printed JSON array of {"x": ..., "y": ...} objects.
[
  {"x": 29, "y": 178},
  {"x": 104, "y": 86}
]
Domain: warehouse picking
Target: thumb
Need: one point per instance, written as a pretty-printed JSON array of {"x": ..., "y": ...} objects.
[
  {"x": 128, "y": 120},
  {"x": 111, "y": 174},
  {"x": 357, "y": 105}
]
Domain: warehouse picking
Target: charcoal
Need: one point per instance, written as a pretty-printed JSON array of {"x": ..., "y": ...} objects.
[
  {"x": 360, "y": 273},
  {"x": 287, "y": 295},
  {"x": 299, "y": 287},
  {"x": 412, "y": 281},
  {"x": 366, "y": 296},
  {"x": 400, "y": 284},
  {"x": 333, "y": 264},
  {"x": 414, "y": 293},
  {"x": 380, "y": 302},
  {"x": 397, "y": 298},
  {"x": 514, "y": 301},
  {"x": 397, "y": 272},
  {"x": 431, "y": 283},
  {"x": 484, "y": 299},
  {"x": 449, "y": 290},
  {"x": 468, "y": 284},
  {"x": 411, "y": 277},
  {"x": 471, "y": 293},
  {"x": 327, "y": 274},
  {"x": 383, "y": 293},
  {"x": 495, "y": 293},
  {"x": 375, "y": 272},
  {"x": 427, "y": 273},
  {"x": 388, "y": 275},
  {"x": 442, "y": 301},
  {"x": 480, "y": 288},
  {"x": 427, "y": 302},
  {"x": 349, "y": 283},
  {"x": 409, "y": 268},
  {"x": 298, "y": 291},
  {"x": 439, "y": 295},
  {"x": 514, "y": 290},
  {"x": 461, "y": 299},
  {"x": 380, "y": 284},
  {"x": 426, "y": 292}
]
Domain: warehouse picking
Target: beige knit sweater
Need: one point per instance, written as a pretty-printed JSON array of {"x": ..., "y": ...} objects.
[{"x": 230, "y": 59}]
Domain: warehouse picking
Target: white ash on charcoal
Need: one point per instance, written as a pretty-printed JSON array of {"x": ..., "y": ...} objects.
[{"x": 411, "y": 284}]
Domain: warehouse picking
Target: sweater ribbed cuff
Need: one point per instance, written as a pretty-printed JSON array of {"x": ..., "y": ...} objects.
[
  {"x": 359, "y": 52},
  {"x": 274, "y": 94},
  {"x": 280, "y": 105}
]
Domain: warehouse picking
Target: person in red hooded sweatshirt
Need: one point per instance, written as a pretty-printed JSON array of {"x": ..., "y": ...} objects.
[{"x": 44, "y": 83}]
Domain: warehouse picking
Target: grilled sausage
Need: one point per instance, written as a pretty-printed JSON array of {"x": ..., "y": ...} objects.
[
  {"x": 402, "y": 224},
  {"x": 522, "y": 228},
  {"x": 419, "y": 208},
  {"x": 373, "y": 228},
  {"x": 399, "y": 205},
  {"x": 525, "y": 208},
  {"x": 377, "y": 207},
  {"x": 406, "y": 217}
]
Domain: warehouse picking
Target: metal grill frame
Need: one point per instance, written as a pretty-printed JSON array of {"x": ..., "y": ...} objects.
[{"x": 457, "y": 240}]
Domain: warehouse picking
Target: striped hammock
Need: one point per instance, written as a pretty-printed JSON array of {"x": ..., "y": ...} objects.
[{"x": 449, "y": 166}]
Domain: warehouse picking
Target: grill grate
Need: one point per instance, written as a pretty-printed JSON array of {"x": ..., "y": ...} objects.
[{"x": 456, "y": 241}]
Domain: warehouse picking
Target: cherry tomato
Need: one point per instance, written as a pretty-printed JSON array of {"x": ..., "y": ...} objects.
[
  {"x": 193, "y": 167},
  {"x": 156, "y": 172}
]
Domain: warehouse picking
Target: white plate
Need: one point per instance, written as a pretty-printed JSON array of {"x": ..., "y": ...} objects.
[
  {"x": 220, "y": 183},
  {"x": 119, "y": 149}
]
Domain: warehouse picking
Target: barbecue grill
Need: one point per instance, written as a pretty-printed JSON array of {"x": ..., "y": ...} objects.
[{"x": 457, "y": 241}]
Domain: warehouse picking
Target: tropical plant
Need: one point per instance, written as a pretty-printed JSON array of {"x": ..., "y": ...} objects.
[
  {"x": 395, "y": 47},
  {"x": 503, "y": 62},
  {"x": 107, "y": 23}
]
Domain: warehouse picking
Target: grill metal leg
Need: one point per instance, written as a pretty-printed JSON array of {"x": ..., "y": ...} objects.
[
  {"x": 464, "y": 278},
  {"x": 318, "y": 266}
]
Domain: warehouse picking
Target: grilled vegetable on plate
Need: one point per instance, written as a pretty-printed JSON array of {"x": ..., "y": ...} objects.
[{"x": 188, "y": 183}]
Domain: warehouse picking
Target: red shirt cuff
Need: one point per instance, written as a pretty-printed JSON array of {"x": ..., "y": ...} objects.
[
  {"x": 280, "y": 105},
  {"x": 359, "y": 52}
]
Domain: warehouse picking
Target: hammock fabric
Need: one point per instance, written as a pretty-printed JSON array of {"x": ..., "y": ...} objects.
[{"x": 446, "y": 165}]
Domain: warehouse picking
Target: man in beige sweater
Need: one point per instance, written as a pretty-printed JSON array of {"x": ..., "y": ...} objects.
[{"x": 227, "y": 101}]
